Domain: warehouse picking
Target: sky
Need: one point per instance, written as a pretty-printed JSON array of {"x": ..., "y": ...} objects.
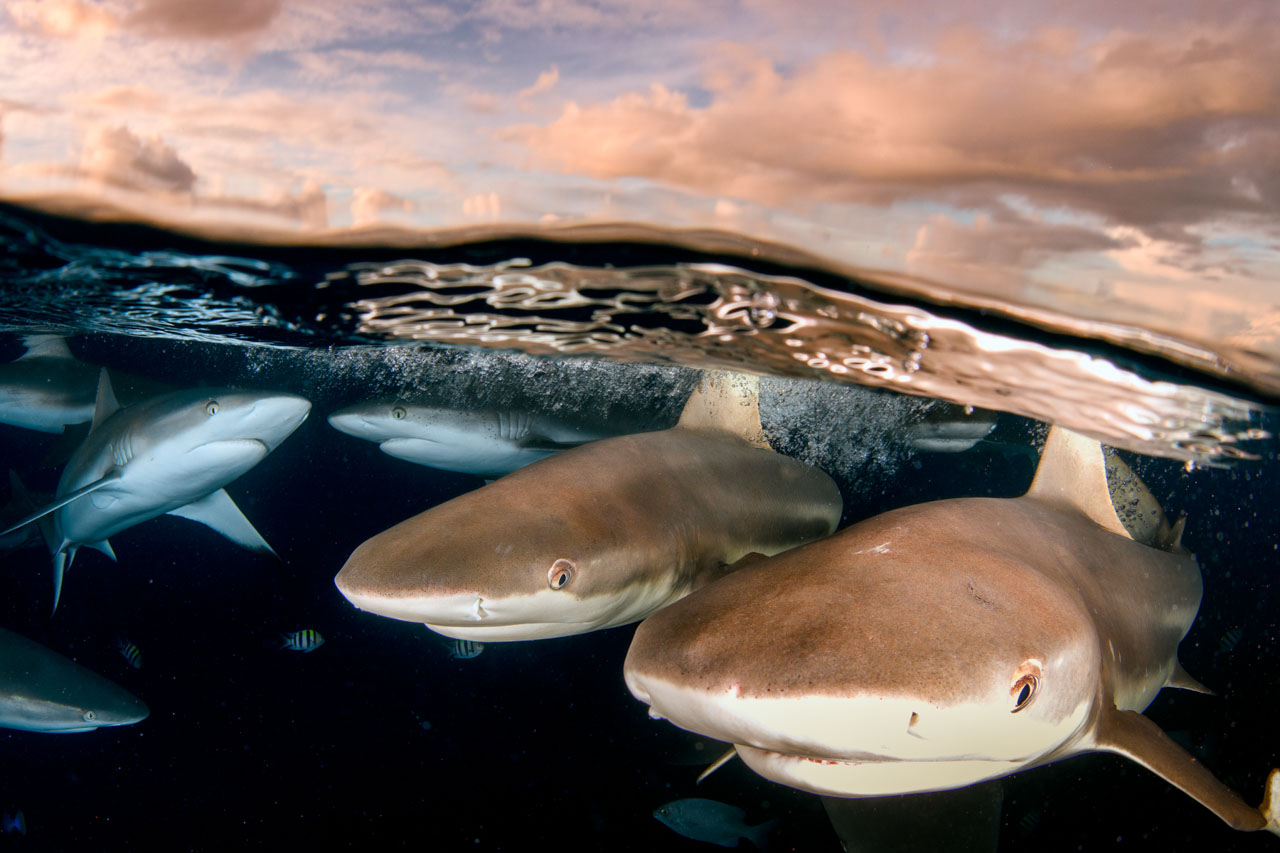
[{"x": 1091, "y": 151}]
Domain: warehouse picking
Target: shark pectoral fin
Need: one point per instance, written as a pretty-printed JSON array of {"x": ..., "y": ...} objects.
[
  {"x": 218, "y": 511},
  {"x": 1270, "y": 807},
  {"x": 717, "y": 764},
  {"x": 110, "y": 477},
  {"x": 1180, "y": 679},
  {"x": 1132, "y": 735},
  {"x": 729, "y": 402}
]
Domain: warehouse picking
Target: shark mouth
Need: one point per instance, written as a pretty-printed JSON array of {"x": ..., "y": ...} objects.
[{"x": 870, "y": 776}]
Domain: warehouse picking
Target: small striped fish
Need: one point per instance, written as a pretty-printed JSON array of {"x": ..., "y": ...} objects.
[
  {"x": 306, "y": 640},
  {"x": 465, "y": 649},
  {"x": 131, "y": 652}
]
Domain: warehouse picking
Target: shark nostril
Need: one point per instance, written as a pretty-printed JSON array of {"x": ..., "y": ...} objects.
[{"x": 478, "y": 612}]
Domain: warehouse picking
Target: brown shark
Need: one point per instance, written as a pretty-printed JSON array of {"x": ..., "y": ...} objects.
[
  {"x": 942, "y": 644},
  {"x": 602, "y": 534}
]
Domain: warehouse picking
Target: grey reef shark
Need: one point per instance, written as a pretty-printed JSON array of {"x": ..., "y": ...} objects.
[
  {"x": 169, "y": 454},
  {"x": 42, "y": 691},
  {"x": 48, "y": 389},
  {"x": 601, "y": 534},
  {"x": 488, "y": 443},
  {"x": 942, "y": 644}
]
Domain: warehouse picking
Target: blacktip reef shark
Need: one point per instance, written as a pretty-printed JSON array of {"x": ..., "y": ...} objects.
[
  {"x": 170, "y": 454},
  {"x": 42, "y": 691},
  {"x": 488, "y": 443},
  {"x": 602, "y": 534},
  {"x": 946, "y": 643}
]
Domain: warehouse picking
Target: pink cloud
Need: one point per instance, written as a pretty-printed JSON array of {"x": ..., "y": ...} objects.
[
  {"x": 186, "y": 20},
  {"x": 117, "y": 156},
  {"x": 545, "y": 83},
  {"x": 368, "y": 204},
  {"x": 1159, "y": 129}
]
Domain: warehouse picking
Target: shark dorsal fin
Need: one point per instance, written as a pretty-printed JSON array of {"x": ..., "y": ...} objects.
[
  {"x": 45, "y": 346},
  {"x": 729, "y": 402},
  {"x": 1073, "y": 474},
  {"x": 106, "y": 404}
]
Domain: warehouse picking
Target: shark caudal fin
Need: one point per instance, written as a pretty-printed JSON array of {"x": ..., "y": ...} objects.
[
  {"x": 729, "y": 402},
  {"x": 1073, "y": 475},
  {"x": 1132, "y": 735}
]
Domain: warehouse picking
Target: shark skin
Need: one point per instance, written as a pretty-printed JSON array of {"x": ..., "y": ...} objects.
[
  {"x": 169, "y": 454},
  {"x": 599, "y": 535},
  {"x": 944, "y": 644},
  {"x": 488, "y": 443},
  {"x": 42, "y": 691}
]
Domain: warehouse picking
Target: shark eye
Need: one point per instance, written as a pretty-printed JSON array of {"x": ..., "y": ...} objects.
[
  {"x": 398, "y": 413},
  {"x": 560, "y": 573},
  {"x": 1025, "y": 685},
  {"x": 89, "y": 716},
  {"x": 211, "y": 408}
]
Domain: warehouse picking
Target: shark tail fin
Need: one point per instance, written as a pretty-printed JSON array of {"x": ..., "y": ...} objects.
[
  {"x": 1073, "y": 474},
  {"x": 1182, "y": 680},
  {"x": 729, "y": 402},
  {"x": 1132, "y": 735}
]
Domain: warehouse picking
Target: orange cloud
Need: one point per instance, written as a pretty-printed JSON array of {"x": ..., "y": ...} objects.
[
  {"x": 1152, "y": 129},
  {"x": 62, "y": 18},
  {"x": 368, "y": 204},
  {"x": 184, "y": 19}
]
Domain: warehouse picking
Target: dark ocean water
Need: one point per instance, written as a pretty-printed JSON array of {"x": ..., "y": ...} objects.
[{"x": 530, "y": 744}]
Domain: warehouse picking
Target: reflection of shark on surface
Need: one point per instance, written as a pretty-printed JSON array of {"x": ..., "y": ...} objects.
[
  {"x": 599, "y": 535},
  {"x": 942, "y": 644},
  {"x": 169, "y": 454},
  {"x": 42, "y": 691},
  {"x": 47, "y": 388},
  {"x": 487, "y": 443}
]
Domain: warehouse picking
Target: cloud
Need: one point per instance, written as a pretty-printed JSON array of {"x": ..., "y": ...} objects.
[
  {"x": 998, "y": 251},
  {"x": 1155, "y": 129},
  {"x": 368, "y": 204},
  {"x": 308, "y": 206},
  {"x": 62, "y": 18},
  {"x": 117, "y": 156},
  {"x": 545, "y": 83},
  {"x": 482, "y": 206},
  {"x": 183, "y": 19}
]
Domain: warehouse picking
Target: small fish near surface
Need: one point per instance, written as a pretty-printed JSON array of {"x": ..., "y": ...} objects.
[
  {"x": 713, "y": 822},
  {"x": 130, "y": 652},
  {"x": 306, "y": 640},
  {"x": 602, "y": 534},
  {"x": 464, "y": 649},
  {"x": 170, "y": 454},
  {"x": 15, "y": 823},
  {"x": 42, "y": 691},
  {"x": 488, "y": 443},
  {"x": 946, "y": 643}
]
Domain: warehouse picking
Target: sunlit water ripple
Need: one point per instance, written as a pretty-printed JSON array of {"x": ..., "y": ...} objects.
[{"x": 624, "y": 301}]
